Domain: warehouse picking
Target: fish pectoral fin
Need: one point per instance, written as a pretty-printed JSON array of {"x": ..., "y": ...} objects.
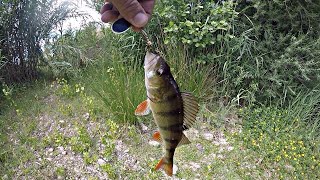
[
  {"x": 184, "y": 140},
  {"x": 143, "y": 109},
  {"x": 168, "y": 167},
  {"x": 190, "y": 110},
  {"x": 156, "y": 136}
]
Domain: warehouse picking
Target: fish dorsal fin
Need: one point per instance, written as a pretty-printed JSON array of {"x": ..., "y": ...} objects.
[
  {"x": 184, "y": 140},
  {"x": 143, "y": 109},
  {"x": 190, "y": 110}
]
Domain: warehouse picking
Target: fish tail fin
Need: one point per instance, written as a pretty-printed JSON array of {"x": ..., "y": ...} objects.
[{"x": 166, "y": 166}]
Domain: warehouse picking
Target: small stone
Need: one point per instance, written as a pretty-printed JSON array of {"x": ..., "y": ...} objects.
[
  {"x": 144, "y": 128},
  {"x": 50, "y": 150},
  {"x": 49, "y": 159},
  {"x": 64, "y": 152},
  {"x": 194, "y": 165},
  {"x": 60, "y": 148},
  {"x": 200, "y": 147},
  {"x": 208, "y": 136},
  {"x": 86, "y": 116},
  {"x": 154, "y": 143},
  {"x": 229, "y": 148},
  {"x": 220, "y": 156},
  {"x": 101, "y": 162},
  {"x": 174, "y": 169}
]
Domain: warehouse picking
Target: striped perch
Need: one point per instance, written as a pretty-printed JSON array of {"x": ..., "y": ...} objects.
[{"x": 172, "y": 110}]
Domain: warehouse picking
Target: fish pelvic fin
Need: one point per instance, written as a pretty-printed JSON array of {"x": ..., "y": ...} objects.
[
  {"x": 157, "y": 137},
  {"x": 166, "y": 166},
  {"x": 143, "y": 109}
]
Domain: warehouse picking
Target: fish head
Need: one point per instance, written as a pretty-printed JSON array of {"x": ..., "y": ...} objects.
[{"x": 156, "y": 69}]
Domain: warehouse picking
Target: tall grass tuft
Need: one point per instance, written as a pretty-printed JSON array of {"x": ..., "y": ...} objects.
[
  {"x": 306, "y": 106},
  {"x": 119, "y": 86},
  {"x": 190, "y": 75}
]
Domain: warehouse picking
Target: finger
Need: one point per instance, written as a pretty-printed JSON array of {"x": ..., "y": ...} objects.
[
  {"x": 148, "y": 6},
  {"x": 106, "y": 7},
  {"x": 132, "y": 11},
  {"x": 109, "y": 16}
]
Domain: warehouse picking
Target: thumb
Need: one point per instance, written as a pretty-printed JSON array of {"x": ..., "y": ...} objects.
[{"x": 132, "y": 11}]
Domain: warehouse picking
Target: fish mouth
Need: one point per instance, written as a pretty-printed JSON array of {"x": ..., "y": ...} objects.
[{"x": 150, "y": 60}]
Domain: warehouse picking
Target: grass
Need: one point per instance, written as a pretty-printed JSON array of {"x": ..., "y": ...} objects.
[
  {"x": 84, "y": 127},
  {"x": 252, "y": 149},
  {"x": 284, "y": 142}
]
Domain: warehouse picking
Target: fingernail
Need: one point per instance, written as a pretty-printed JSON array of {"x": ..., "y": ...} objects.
[{"x": 140, "y": 20}]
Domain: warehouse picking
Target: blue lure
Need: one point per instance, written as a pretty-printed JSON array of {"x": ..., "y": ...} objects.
[{"x": 120, "y": 26}]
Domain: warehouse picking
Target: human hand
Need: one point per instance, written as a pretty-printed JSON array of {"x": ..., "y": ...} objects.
[{"x": 137, "y": 12}]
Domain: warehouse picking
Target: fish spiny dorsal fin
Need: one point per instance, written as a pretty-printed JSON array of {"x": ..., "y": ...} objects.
[
  {"x": 190, "y": 110},
  {"x": 184, "y": 140},
  {"x": 143, "y": 109}
]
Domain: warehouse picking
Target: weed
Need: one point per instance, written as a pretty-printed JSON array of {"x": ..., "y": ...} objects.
[
  {"x": 60, "y": 171},
  {"x": 118, "y": 86},
  {"x": 276, "y": 134}
]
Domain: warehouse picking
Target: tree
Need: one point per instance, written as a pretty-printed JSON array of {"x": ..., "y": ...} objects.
[{"x": 23, "y": 26}]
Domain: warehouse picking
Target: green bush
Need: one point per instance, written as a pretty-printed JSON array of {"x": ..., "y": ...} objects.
[
  {"x": 196, "y": 23},
  {"x": 262, "y": 50}
]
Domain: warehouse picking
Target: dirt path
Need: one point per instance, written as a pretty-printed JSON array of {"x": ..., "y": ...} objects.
[{"x": 67, "y": 142}]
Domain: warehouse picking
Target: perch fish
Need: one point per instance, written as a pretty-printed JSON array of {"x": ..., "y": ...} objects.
[{"x": 173, "y": 111}]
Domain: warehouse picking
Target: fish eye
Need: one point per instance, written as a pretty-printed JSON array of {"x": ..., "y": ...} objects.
[{"x": 159, "y": 71}]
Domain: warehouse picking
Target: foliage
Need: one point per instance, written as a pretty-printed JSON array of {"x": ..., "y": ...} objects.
[
  {"x": 197, "y": 23},
  {"x": 66, "y": 55},
  {"x": 283, "y": 139},
  {"x": 263, "y": 51},
  {"x": 95, "y": 4},
  {"x": 286, "y": 48},
  {"x": 24, "y": 24}
]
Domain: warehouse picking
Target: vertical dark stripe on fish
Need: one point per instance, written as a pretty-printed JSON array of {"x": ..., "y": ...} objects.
[
  {"x": 170, "y": 150},
  {"x": 174, "y": 128},
  {"x": 167, "y": 99},
  {"x": 174, "y": 112},
  {"x": 172, "y": 141}
]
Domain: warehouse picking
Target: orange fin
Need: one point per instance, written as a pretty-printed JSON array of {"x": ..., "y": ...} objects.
[
  {"x": 166, "y": 166},
  {"x": 184, "y": 140},
  {"x": 156, "y": 136},
  {"x": 143, "y": 109}
]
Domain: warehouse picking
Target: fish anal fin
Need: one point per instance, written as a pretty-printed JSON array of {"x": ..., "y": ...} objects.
[
  {"x": 184, "y": 140},
  {"x": 143, "y": 109},
  {"x": 167, "y": 167},
  {"x": 156, "y": 136},
  {"x": 190, "y": 109}
]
